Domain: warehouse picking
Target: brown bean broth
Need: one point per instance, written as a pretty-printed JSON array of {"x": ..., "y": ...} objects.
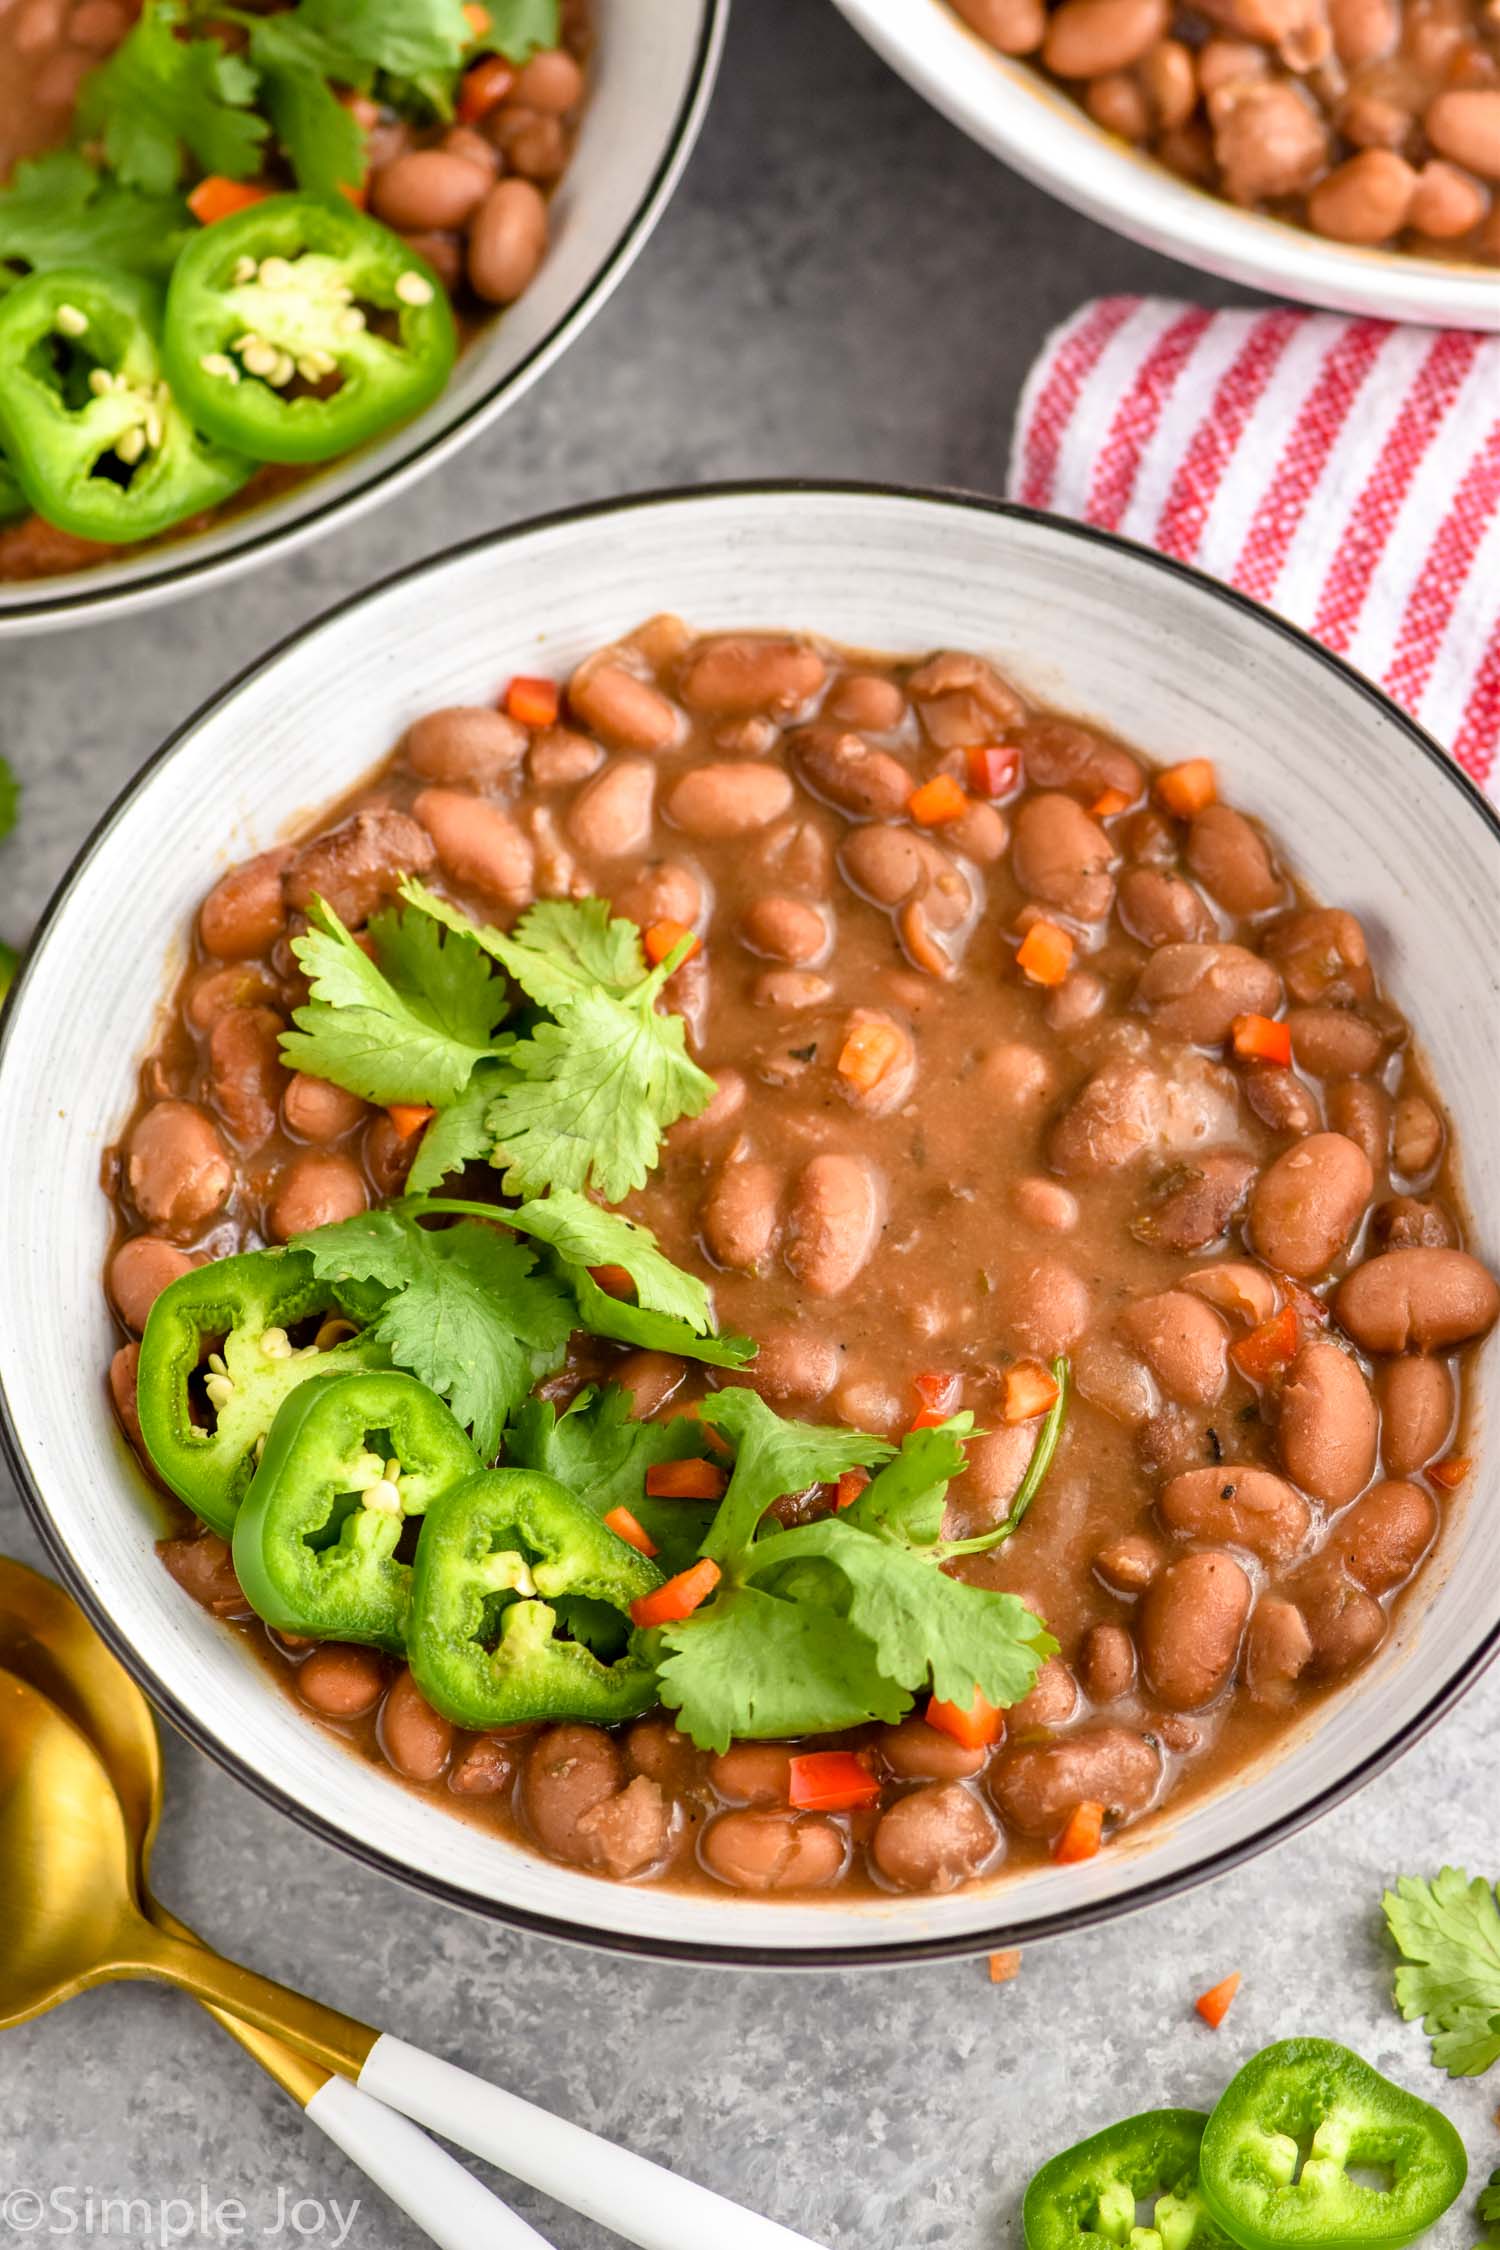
[{"x": 952, "y": 1261}]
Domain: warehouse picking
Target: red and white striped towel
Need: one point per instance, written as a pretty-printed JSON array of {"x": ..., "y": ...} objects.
[{"x": 1346, "y": 472}]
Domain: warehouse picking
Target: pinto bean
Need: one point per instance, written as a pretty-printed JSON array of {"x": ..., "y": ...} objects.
[
  {"x": 754, "y": 1773},
  {"x": 1235, "y": 1506},
  {"x": 914, "y": 1751},
  {"x": 1322, "y": 956},
  {"x": 790, "y": 988},
  {"x": 650, "y": 1378},
  {"x": 1361, "y": 1111},
  {"x": 1128, "y": 1565},
  {"x": 1232, "y": 862},
  {"x": 1334, "y": 1042},
  {"x": 1036, "y": 1786},
  {"x": 1270, "y": 140},
  {"x": 1048, "y": 1306},
  {"x": 1045, "y": 1204},
  {"x": 1463, "y": 124},
  {"x": 833, "y": 1223},
  {"x": 1417, "y": 1300},
  {"x": 478, "y": 844},
  {"x": 630, "y": 1831},
  {"x": 203, "y": 1567},
  {"x": 955, "y": 672},
  {"x": 1405, "y": 1222},
  {"x": 388, "y": 1155},
  {"x": 1416, "y": 1412},
  {"x": 1278, "y": 1650},
  {"x": 624, "y": 710},
  {"x": 1416, "y": 1136},
  {"x": 611, "y": 816},
  {"x": 1279, "y": 1098},
  {"x": 1244, "y": 1291},
  {"x": 655, "y": 1748},
  {"x": 1446, "y": 202},
  {"x": 1012, "y": 27},
  {"x": 246, "y": 1071},
  {"x": 1327, "y": 1423},
  {"x": 486, "y": 1769},
  {"x": 1117, "y": 101},
  {"x": 1085, "y": 37},
  {"x": 1107, "y": 1665},
  {"x": 785, "y": 929},
  {"x": 176, "y": 1166},
  {"x": 1182, "y": 1340},
  {"x": 791, "y": 1365},
  {"x": 318, "y": 1187},
  {"x": 1307, "y": 1204},
  {"x": 551, "y": 81},
  {"x": 362, "y": 861},
  {"x": 1383, "y": 1537},
  {"x": 417, "y": 1740},
  {"x": 883, "y": 863},
  {"x": 507, "y": 240},
  {"x": 1192, "y": 1617},
  {"x": 467, "y": 742},
  {"x": 569, "y": 1771},
  {"x": 1344, "y": 1623},
  {"x": 717, "y": 802},
  {"x": 1130, "y": 1107},
  {"x": 245, "y": 912},
  {"x": 138, "y": 1273},
  {"x": 773, "y": 1851},
  {"x": 740, "y": 1213},
  {"x": 1060, "y": 855},
  {"x": 1366, "y": 199},
  {"x": 981, "y": 833},
  {"x": 995, "y": 1462},
  {"x": 1060, "y": 754},
  {"x": 736, "y": 675},
  {"x": 935, "y": 1838},
  {"x": 1196, "y": 991},
  {"x": 1161, "y": 909},
  {"x": 316, "y": 1110},
  {"x": 1200, "y": 1201},
  {"x": 845, "y": 770},
  {"x": 1017, "y": 1078},
  {"x": 244, "y": 985},
  {"x": 560, "y": 758},
  {"x": 427, "y": 187},
  {"x": 340, "y": 1681}
]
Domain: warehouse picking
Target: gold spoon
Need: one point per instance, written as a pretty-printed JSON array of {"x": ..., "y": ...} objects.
[
  {"x": 73, "y": 1920},
  {"x": 46, "y": 1640}
]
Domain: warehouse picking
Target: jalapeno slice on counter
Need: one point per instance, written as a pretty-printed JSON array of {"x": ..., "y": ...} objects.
[
  {"x": 297, "y": 329},
  {"x": 346, "y": 1465},
  {"x": 520, "y": 1607},
  {"x": 96, "y": 438},
  {"x": 1290, "y": 2131},
  {"x": 1094, "y": 2192},
  {"x": 217, "y": 1360}
]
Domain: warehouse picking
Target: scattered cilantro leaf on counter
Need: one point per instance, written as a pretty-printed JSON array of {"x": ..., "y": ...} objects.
[
  {"x": 59, "y": 211},
  {"x": 1489, "y": 2202},
  {"x": 1448, "y": 1932},
  {"x": 159, "y": 99},
  {"x": 412, "y": 1027},
  {"x": 843, "y": 1619},
  {"x": 465, "y": 1309},
  {"x": 600, "y": 1451}
]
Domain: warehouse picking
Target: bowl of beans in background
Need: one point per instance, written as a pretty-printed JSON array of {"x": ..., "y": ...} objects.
[
  {"x": 1347, "y": 155},
  {"x": 527, "y": 218},
  {"x": 1353, "y": 858}
]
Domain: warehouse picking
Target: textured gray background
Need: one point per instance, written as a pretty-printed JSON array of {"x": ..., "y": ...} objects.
[{"x": 843, "y": 287}]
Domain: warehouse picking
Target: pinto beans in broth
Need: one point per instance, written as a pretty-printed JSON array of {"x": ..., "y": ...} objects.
[{"x": 1268, "y": 1312}]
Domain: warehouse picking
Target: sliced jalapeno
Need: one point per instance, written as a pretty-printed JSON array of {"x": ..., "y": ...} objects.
[{"x": 1135, "y": 2185}]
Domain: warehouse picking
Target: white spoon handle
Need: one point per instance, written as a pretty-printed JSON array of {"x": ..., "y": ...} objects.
[
  {"x": 644, "y": 2202},
  {"x": 457, "y": 2211}
]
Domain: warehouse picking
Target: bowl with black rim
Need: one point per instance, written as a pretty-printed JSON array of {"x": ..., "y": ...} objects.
[
  {"x": 651, "y": 77},
  {"x": 1365, "y": 807}
]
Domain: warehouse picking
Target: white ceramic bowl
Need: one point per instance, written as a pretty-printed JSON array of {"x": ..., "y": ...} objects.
[
  {"x": 1033, "y": 126},
  {"x": 1370, "y": 812},
  {"x": 651, "y": 80}
]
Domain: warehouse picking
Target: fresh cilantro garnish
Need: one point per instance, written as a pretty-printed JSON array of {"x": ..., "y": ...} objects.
[
  {"x": 59, "y": 211},
  {"x": 463, "y": 1308},
  {"x": 601, "y": 1452},
  {"x": 10, "y": 798},
  {"x": 674, "y": 1313},
  {"x": 1489, "y": 2202},
  {"x": 405, "y": 37},
  {"x": 588, "y": 1095},
  {"x": 1448, "y": 1932},
  {"x": 412, "y": 1027},
  {"x": 844, "y": 1619},
  {"x": 459, "y": 1134},
  {"x": 519, "y": 28},
  {"x": 299, "y": 64},
  {"x": 905, "y": 1502},
  {"x": 160, "y": 99}
]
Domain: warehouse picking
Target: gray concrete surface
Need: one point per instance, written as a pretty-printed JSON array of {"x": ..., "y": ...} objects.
[{"x": 845, "y": 287}]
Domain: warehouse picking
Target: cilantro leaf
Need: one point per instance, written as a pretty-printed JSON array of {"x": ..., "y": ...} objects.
[
  {"x": 159, "y": 98},
  {"x": 60, "y": 211},
  {"x": 558, "y": 949},
  {"x": 405, "y": 37},
  {"x": 10, "y": 798},
  {"x": 519, "y": 27},
  {"x": 1448, "y": 1932},
  {"x": 409, "y": 1029},
  {"x": 601, "y": 1452},
  {"x": 772, "y": 1457},
  {"x": 1489, "y": 2202},
  {"x": 584, "y": 1235},
  {"x": 905, "y": 1501},
  {"x": 297, "y": 63},
  {"x": 458, "y": 1135},
  {"x": 622, "y": 1323},
  {"x": 749, "y": 1665},
  {"x": 464, "y": 1309}
]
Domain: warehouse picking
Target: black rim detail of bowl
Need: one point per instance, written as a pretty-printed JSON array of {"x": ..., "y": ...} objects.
[
  {"x": 109, "y": 601},
  {"x": 873, "y": 1955}
]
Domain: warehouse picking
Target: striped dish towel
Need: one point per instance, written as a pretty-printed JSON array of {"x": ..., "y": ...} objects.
[{"x": 1346, "y": 472}]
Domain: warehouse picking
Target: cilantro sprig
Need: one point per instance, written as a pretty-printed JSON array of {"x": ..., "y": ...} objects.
[
  {"x": 845, "y": 1619},
  {"x": 60, "y": 211},
  {"x": 163, "y": 101},
  {"x": 601, "y": 1452},
  {"x": 1448, "y": 1934}
]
